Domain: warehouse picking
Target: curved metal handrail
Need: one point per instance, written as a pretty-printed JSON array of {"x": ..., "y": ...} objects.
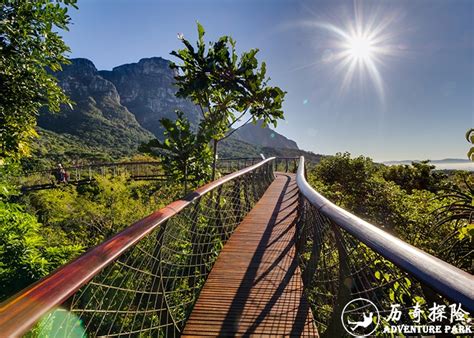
[
  {"x": 21, "y": 311},
  {"x": 451, "y": 282}
]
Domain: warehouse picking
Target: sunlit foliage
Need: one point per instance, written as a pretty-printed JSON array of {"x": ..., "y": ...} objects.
[
  {"x": 30, "y": 46},
  {"x": 225, "y": 86}
]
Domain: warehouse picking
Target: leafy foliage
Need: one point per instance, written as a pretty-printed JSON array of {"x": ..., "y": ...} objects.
[
  {"x": 186, "y": 155},
  {"x": 91, "y": 213},
  {"x": 51, "y": 148},
  {"x": 30, "y": 45},
  {"x": 423, "y": 207},
  {"x": 419, "y": 175},
  {"x": 28, "y": 249},
  {"x": 458, "y": 215},
  {"x": 225, "y": 86}
]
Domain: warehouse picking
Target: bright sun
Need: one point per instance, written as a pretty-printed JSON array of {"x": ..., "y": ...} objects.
[{"x": 360, "y": 48}]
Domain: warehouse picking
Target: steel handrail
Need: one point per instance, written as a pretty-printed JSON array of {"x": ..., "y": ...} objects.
[
  {"x": 449, "y": 281},
  {"x": 19, "y": 313}
]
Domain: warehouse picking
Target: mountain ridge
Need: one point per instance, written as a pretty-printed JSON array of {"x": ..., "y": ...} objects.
[
  {"x": 120, "y": 108},
  {"x": 266, "y": 137}
]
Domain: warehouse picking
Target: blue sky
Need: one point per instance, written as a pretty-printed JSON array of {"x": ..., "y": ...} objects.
[{"x": 421, "y": 107}]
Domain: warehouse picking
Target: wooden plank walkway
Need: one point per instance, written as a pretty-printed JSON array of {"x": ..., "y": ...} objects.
[{"x": 255, "y": 286}]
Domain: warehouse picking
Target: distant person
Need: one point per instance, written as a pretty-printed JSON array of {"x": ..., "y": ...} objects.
[{"x": 61, "y": 175}]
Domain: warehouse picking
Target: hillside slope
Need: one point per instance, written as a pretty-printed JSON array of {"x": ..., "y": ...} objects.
[
  {"x": 97, "y": 118},
  {"x": 264, "y": 137}
]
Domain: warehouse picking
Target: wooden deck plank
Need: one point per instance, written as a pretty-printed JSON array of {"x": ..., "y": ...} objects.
[{"x": 255, "y": 286}]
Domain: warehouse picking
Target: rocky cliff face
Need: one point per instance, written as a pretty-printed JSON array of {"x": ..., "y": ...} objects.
[
  {"x": 265, "y": 137},
  {"x": 97, "y": 116},
  {"x": 121, "y": 108},
  {"x": 147, "y": 89}
]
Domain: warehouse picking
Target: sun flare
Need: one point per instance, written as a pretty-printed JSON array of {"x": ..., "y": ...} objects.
[{"x": 360, "y": 48}]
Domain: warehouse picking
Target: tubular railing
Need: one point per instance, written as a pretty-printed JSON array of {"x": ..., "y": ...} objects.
[
  {"x": 343, "y": 258},
  {"x": 143, "y": 281}
]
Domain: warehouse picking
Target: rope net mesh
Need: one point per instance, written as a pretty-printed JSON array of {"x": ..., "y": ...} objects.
[
  {"x": 337, "y": 268},
  {"x": 151, "y": 288}
]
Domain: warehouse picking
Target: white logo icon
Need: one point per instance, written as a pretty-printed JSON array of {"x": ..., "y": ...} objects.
[{"x": 360, "y": 317}]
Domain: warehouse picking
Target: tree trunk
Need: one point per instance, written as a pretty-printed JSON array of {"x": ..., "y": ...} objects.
[{"x": 214, "y": 160}]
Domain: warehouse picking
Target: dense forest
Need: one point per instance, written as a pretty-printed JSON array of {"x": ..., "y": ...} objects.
[{"x": 424, "y": 207}]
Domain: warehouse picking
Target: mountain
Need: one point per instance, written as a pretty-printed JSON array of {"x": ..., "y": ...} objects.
[
  {"x": 147, "y": 89},
  {"x": 264, "y": 137},
  {"x": 231, "y": 148},
  {"x": 97, "y": 117},
  {"x": 114, "y": 111}
]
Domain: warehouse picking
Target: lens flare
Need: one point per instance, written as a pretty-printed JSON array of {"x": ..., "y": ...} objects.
[
  {"x": 358, "y": 45},
  {"x": 360, "y": 48}
]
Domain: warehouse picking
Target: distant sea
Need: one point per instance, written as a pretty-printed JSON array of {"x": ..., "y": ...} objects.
[{"x": 446, "y": 164}]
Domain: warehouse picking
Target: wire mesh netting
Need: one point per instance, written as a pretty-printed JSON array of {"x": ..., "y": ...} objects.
[
  {"x": 230, "y": 165},
  {"x": 282, "y": 164},
  {"x": 338, "y": 268},
  {"x": 151, "y": 288}
]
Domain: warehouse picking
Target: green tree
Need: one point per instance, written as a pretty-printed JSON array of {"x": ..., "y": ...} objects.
[
  {"x": 458, "y": 216},
  {"x": 30, "y": 47},
  {"x": 418, "y": 175},
  {"x": 186, "y": 155},
  {"x": 225, "y": 86}
]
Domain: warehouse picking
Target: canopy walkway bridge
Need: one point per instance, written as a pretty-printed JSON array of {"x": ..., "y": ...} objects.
[
  {"x": 136, "y": 170},
  {"x": 256, "y": 252}
]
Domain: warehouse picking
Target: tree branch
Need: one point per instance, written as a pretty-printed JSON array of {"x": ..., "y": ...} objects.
[
  {"x": 238, "y": 119},
  {"x": 233, "y": 131},
  {"x": 202, "y": 110}
]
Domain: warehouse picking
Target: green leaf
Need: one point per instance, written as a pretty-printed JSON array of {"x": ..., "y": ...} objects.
[{"x": 201, "y": 31}]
